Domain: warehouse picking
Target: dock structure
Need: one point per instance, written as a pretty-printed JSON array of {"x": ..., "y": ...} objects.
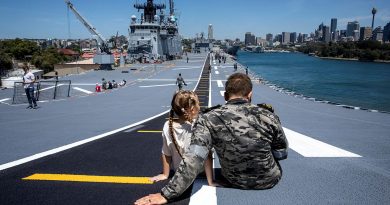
[{"x": 100, "y": 148}]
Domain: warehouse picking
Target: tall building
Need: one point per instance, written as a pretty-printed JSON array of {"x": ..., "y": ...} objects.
[
  {"x": 333, "y": 27},
  {"x": 293, "y": 37},
  {"x": 285, "y": 37},
  {"x": 352, "y": 27},
  {"x": 250, "y": 39},
  {"x": 377, "y": 34},
  {"x": 343, "y": 33},
  {"x": 386, "y": 33},
  {"x": 278, "y": 38},
  {"x": 373, "y": 17},
  {"x": 365, "y": 33},
  {"x": 269, "y": 37},
  {"x": 211, "y": 32},
  {"x": 326, "y": 34}
]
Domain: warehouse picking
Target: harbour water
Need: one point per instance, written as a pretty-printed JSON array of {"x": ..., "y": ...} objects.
[{"x": 353, "y": 83}]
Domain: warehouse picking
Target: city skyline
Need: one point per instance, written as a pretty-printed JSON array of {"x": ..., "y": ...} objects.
[{"x": 48, "y": 19}]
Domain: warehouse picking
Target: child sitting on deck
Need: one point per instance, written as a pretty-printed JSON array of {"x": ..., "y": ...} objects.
[{"x": 177, "y": 134}]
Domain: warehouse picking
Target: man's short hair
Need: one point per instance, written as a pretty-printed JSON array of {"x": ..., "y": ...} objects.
[{"x": 238, "y": 84}]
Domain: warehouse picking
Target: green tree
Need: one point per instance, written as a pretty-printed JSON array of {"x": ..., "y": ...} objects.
[{"x": 46, "y": 59}]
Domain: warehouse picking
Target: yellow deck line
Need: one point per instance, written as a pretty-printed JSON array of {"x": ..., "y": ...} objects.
[
  {"x": 89, "y": 178},
  {"x": 149, "y": 131}
]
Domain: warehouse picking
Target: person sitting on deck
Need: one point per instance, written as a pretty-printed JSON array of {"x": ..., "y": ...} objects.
[{"x": 248, "y": 139}]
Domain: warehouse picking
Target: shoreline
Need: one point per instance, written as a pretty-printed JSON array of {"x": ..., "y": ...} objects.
[{"x": 352, "y": 59}]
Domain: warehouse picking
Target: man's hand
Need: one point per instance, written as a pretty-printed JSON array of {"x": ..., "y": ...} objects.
[
  {"x": 151, "y": 199},
  {"x": 159, "y": 177}
]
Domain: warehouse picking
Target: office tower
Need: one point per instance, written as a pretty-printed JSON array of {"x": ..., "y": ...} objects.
[
  {"x": 356, "y": 35},
  {"x": 377, "y": 34},
  {"x": 211, "y": 32},
  {"x": 326, "y": 34},
  {"x": 268, "y": 37},
  {"x": 333, "y": 27},
  {"x": 386, "y": 33},
  {"x": 293, "y": 37},
  {"x": 250, "y": 39},
  {"x": 343, "y": 33},
  {"x": 373, "y": 17},
  {"x": 278, "y": 38},
  {"x": 351, "y": 27},
  {"x": 300, "y": 38},
  {"x": 285, "y": 37},
  {"x": 365, "y": 33}
]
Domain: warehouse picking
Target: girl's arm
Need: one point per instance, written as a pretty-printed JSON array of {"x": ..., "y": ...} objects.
[
  {"x": 166, "y": 160},
  {"x": 208, "y": 168}
]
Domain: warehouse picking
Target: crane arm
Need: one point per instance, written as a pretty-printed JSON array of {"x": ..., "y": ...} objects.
[{"x": 90, "y": 28}]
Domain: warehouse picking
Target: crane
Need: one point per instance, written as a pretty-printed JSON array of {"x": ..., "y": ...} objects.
[{"x": 102, "y": 43}]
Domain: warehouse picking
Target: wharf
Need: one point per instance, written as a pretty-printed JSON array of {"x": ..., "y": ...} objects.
[{"x": 336, "y": 155}]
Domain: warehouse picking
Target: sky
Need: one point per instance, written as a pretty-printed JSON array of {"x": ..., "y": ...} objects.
[{"x": 230, "y": 18}]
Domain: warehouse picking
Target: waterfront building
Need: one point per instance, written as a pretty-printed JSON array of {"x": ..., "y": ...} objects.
[
  {"x": 293, "y": 37},
  {"x": 250, "y": 39},
  {"x": 326, "y": 34},
  {"x": 343, "y": 33},
  {"x": 333, "y": 27},
  {"x": 319, "y": 32},
  {"x": 356, "y": 35},
  {"x": 269, "y": 37},
  {"x": 278, "y": 38},
  {"x": 386, "y": 33},
  {"x": 211, "y": 32},
  {"x": 365, "y": 33},
  {"x": 377, "y": 34},
  {"x": 285, "y": 37},
  {"x": 261, "y": 42},
  {"x": 351, "y": 27}
]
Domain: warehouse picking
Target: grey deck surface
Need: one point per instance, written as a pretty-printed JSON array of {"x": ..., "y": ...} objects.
[{"x": 306, "y": 180}]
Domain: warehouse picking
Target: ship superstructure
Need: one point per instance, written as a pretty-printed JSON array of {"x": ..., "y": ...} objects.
[{"x": 154, "y": 36}]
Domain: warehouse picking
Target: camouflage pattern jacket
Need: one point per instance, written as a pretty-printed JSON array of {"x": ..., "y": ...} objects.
[{"x": 243, "y": 136}]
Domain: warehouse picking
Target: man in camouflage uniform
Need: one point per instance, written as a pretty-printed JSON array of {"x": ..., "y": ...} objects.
[{"x": 248, "y": 139}]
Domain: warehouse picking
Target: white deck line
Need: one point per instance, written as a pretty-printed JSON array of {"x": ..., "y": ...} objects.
[
  {"x": 220, "y": 84},
  {"x": 82, "y": 90},
  {"x": 217, "y": 72},
  {"x": 5, "y": 99},
  {"x": 206, "y": 195},
  {"x": 69, "y": 146},
  {"x": 309, "y": 147},
  {"x": 51, "y": 87},
  {"x": 216, "y": 67},
  {"x": 222, "y": 93},
  {"x": 151, "y": 86}
]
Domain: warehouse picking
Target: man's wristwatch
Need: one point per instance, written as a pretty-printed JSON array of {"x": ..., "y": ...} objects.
[{"x": 163, "y": 195}]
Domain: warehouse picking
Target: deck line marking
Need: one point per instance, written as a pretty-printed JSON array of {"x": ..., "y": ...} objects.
[
  {"x": 149, "y": 131},
  {"x": 220, "y": 84},
  {"x": 89, "y": 178},
  {"x": 82, "y": 90},
  {"x": 134, "y": 128},
  {"x": 72, "y": 145},
  {"x": 309, "y": 147},
  {"x": 222, "y": 93},
  {"x": 163, "y": 85},
  {"x": 5, "y": 99},
  {"x": 217, "y": 72},
  {"x": 216, "y": 67},
  {"x": 51, "y": 87},
  {"x": 205, "y": 195}
]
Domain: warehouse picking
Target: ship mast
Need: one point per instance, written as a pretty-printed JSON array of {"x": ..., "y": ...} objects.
[
  {"x": 150, "y": 9},
  {"x": 171, "y": 8}
]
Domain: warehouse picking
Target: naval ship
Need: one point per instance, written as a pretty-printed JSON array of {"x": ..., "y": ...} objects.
[{"x": 154, "y": 36}]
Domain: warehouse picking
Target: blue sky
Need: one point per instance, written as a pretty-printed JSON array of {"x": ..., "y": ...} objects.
[{"x": 230, "y": 18}]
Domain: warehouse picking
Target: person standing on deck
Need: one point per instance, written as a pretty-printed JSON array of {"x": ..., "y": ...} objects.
[
  {"x": 180, "y": 82},
  {"x": 28, "y": 82}
]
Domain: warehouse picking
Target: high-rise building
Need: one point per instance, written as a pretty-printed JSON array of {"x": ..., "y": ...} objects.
[
  {"x": 293, "y": 37},
  {"x": 326, "y": 34},
  {"x": 343, "y": 33},
  {"x": 285, "y": 37},
  {"x": 386, "y": 33},
  {"x": 269, "y": 37},
  {"x": 352, "y": 27},
  {"x": 278, "y": 38},
  {"x": 250, "y": 39},
  {"x": 365, "y": 33},
  {"x": 377, "y": 34},
  {"x": 333, "y": 27},
  {"x": 211, "y": 32}
]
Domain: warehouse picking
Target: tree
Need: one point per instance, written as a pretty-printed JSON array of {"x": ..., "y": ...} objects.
[{"x": 47, "y": 59}]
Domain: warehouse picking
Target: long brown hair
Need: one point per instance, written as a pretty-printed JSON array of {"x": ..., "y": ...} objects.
[{"x": 182, "y": 103}]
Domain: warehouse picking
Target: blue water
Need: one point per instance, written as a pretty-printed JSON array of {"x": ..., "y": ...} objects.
[{"x": 360, "y": 84}]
